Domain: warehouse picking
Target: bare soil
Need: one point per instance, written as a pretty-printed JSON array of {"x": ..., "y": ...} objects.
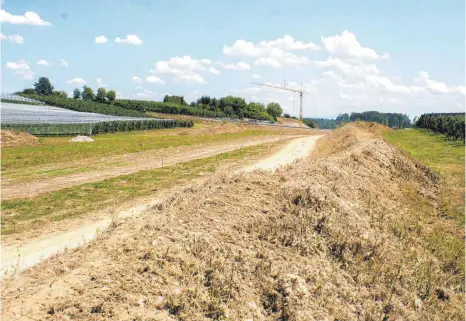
[
  {"x": 334, "y": 236},
  {"x": 291, "y": 122},
  {"x": 11, "y": 138}
]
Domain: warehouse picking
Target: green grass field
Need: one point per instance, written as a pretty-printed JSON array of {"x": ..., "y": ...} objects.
[
  {"x": 25, "y": 161},
  {"x": 445, "y": 157},
  {"x": 22, "y": 215},
  {"x": 444, "y": 222}
]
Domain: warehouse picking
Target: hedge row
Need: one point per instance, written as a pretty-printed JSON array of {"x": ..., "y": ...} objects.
[
  {"x": 453, "y": 126},
  {"x": 96, "y": 128},
  {"x": 88, "y": 106},
  {"x": 168, "y": 108},
  {"x": 24, "y": 102}
]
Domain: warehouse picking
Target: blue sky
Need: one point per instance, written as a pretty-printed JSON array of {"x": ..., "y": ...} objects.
[{"x": 398, "y": 56}]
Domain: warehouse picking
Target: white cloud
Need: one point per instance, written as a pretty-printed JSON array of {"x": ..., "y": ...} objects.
[
  {"x": 459, "y": 89},
  {"x": 289, "y": 43},
  {"x": 355, "y": 69},
  {"x": 64, "y": 63},
  {"x": 20, "y": 65},
  {"x": 256, "y": 76},
  {"x": 432, "y": 85},
  {"x": 345, "y": 96},
  {"x": 130, "y": 39},
  {"x": 137, "y": 79},
  {"x": 177, "y": 64},
  {"x": 44, "y": 63},
  {"x": 29, "y": 18},
  {"x": 100, "y": 83},
  {"x": 350, "y": 81},
  {"x": 237, "y": 66},
  {"x": 26, "y": 74},
  {"x": 191, "y": 79},
  {"x": 100, "y": 39},
  {"x": 268, "y": 62},
  {"x": 76, "y": 81},
  {"x": 214, "y": 71},
  {"x": 185, "y": 69},
  {"x": 275, "y": 53},
  {"x": 347, "y": 46},
  {"x": 13, "y": 38},
  {"x": 154, "y": 80},
  {"x": 21, "y": 69}
]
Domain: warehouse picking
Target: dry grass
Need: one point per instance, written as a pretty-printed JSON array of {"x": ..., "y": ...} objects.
[
  {"x": 335, "y": 237},
  {"x": 12, "y": 138}
]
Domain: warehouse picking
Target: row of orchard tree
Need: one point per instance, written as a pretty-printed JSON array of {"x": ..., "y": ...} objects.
[
  {"x": 452, "y": 125},
  {"x": 229, "y": 106},
  {"x": 102, "y": 95},
  {"x": 235, "y": 107},
  {"x": 43, "y": 87}
]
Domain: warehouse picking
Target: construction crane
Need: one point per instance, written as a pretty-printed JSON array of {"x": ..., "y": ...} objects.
[{"x": 289, "y": 89}]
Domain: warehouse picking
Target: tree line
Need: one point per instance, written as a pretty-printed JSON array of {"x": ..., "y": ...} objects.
[
  {"x": 205, "y": 106},
  {"x": 451, "y": 125},
  {"x": 392, "y": 120},
  {"x": 43, "y": 87}
]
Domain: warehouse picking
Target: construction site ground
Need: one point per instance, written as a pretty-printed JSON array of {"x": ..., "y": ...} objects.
[{"x": 341, "y": 234}]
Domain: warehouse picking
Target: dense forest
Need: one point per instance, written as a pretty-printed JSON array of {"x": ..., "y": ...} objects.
[
  {"x": 452, "y": 125},
  {"x": 105, "y": 102},
  {"x": 393, "y": 120}
]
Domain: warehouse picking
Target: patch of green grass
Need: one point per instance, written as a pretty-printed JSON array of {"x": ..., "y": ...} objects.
[
  {"x": 19, "y": 215},
  {"x": 444, "y": 223},
  {"x": 57, "y": 149},
  {"x": 445, "y": 157}
]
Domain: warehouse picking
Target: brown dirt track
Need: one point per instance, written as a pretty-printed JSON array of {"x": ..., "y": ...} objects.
[
  {"x": 332, "y": 237},
  {"x": 133, "y": 162}
]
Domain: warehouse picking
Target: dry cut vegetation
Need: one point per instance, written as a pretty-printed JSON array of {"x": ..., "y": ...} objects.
[
  {"x": 15, "y": 138},
  {"x": 339, "y": 236}
]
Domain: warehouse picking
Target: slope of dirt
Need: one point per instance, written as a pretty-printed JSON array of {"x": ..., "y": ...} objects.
[
  {"x": 290, "y": 122},
  {"x": 332, "y": 237},
  {"x": 20, "y": 256},
  {"x": 17, "y": 138}
]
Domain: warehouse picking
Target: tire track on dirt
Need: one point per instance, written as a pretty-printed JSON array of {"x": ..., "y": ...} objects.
[{"x": 140, "y": 161}]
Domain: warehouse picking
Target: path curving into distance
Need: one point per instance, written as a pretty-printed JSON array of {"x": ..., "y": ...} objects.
[{"x": 14, "y": 259}]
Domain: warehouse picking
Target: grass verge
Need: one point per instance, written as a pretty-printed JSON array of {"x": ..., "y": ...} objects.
[
  {"x": 445, "y": 157},
  {"x": 444, "y": 221},
  {"x": 22, "y": 215}
]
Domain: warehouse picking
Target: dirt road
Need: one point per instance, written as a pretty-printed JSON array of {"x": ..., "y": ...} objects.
[
  {"x": 16, "y": 258},
  {"x": 133, "y": 163},
  {"x": 296, "y": 149}
]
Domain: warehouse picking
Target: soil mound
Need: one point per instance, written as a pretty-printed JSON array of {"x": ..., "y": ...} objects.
[
  {"x": 290, "y": 122},
  {"x": 17, "y": 138},
  {"x": 81, "y": 139},
  {"x": 332, "y": 237}
]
